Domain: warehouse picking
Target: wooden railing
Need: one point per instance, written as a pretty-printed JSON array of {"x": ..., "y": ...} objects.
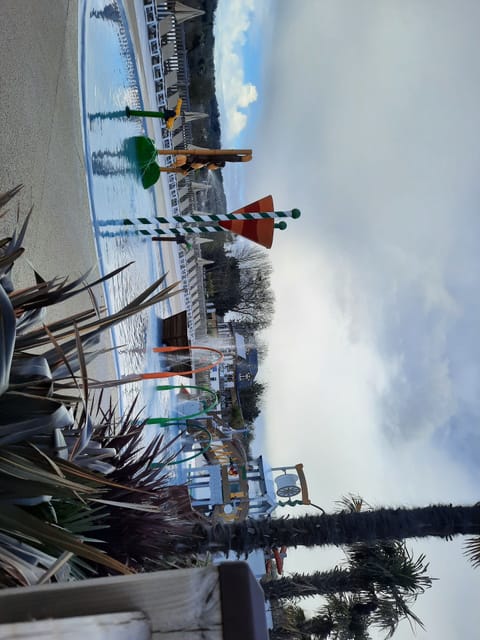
[{"x": 222, "y": 602}]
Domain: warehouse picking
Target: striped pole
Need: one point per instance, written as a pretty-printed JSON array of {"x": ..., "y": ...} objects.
[
  {"x": 175, "y": 231},
  {"x": 204, "y": 152},
  {"x": 258, "y": 229},
  {"x": 200, "y": 217}
]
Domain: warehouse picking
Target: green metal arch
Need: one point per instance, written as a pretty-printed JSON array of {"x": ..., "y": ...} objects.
[{"x": 168, "y": 387}]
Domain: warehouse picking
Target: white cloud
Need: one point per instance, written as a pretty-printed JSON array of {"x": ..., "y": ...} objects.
[
  {"x": 373, "y": 367},
  {"x": 247, "y": 95},
  {"x": 376, "y": 148},
  {"x": 236, "y": 123},
  {"x": 235, "y": 94}
]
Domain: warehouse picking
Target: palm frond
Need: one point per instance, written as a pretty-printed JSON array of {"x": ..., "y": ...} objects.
[
  {"x": 352, "y": 503},
  {"x": 13, "y": 518},
  {"x": 471, "y": 550}
]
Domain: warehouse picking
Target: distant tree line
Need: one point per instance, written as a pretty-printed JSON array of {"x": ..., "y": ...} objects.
[
  {"x": 251, "y": 399},
  {"x": 239, "y": 283}
]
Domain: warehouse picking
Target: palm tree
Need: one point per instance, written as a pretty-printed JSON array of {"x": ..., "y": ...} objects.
[
  {"x": 379, "y": 580},
  {"x": 348, "y": 617},
  {"x": 288, "y": 622},
  {"x": 338, "y": 529},
  {"x": 390, "y": 566},
  {"x": 382, "y": 567},
  {"x": 341, "y": 617}
]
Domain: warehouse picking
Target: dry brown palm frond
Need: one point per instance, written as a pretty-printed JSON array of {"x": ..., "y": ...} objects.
[{"x": 352, "y": 503}]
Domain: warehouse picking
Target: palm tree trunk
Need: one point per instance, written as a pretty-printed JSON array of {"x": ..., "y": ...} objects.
[{"x": 335, "y": 529}]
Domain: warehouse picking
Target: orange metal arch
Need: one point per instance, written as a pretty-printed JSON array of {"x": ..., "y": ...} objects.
[{"x": 171, "y": 374}]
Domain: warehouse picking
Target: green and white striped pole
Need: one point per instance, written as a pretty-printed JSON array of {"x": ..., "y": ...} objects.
[
  {"x": 198, "y": 217},
  {"x": 174, "y": 231}
]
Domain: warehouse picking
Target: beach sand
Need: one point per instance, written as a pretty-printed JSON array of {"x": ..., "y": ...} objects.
[{"x": 42, "y": 147}]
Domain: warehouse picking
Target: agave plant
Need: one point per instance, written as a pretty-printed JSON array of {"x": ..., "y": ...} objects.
[
  {"x": 141, "y": 539},
  {"x": 70, "y": 477}
]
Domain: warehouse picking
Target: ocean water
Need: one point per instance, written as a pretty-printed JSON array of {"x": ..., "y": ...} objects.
[{"x": 109, "y": 82}]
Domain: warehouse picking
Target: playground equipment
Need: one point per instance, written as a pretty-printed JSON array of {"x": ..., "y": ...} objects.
[
  {"x": 183, "y": 372},
  {"x": 187, "y": 160},
  {"x": 146, "y": 155},
  {"x": 204, "y": 409},
  {"x": 169, "y": 115},
  {"x": 287, "y": 487}
]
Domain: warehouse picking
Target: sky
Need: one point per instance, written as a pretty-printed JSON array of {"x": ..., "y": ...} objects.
[{"x": 364, "y": 116}]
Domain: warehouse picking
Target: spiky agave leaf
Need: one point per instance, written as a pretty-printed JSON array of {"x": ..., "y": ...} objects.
[
  {"x": 18, "y": 238},
  {"x": 6, "y": 263},
  {"x": 93, "y": 328},
  {"x": 10, "y": 251},
  {"x": 128, "y": 311},
  {"x": 14, "y": 571},
  {"x": 39, "y": 424},
  {"x": 76, "y": 440},
  {"x": 27, "y": 369},
  {"x": 57, "y": 478},
  {"x": 35, "y": 317},
  {"x": 6, "y": 196},
  {"x": 62, "y": 478},
  {"x": 91, "y": 332},
  {"x": 49, "y": 292},
  {"x": 61, "y": 372},
  {"x": 141, "y": 520},
  {"x": 7, "y": 338},
  {"x": 10, "y": 248},
  {"x": 86, "y": 430},
  {"x": 139, "y": 539}
]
